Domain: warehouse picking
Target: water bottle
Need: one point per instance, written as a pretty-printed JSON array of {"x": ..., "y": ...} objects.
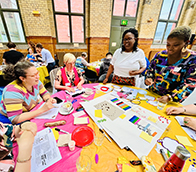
[{"x": 176, "y": 162}]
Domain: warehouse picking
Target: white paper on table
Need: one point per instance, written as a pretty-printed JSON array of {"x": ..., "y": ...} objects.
[
  {"x": 52, "y": 113},
  {"x": 191, "y": 169},
  {"x": 77, "y": 91},
  {"x": 125, "y": 133},
  {"x": 127, "y": 89},
  {"x": 188, "y": 130},
  {"x": 45, "y": 151}
]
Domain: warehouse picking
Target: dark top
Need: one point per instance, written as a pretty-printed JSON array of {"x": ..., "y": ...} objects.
[
  {"x": 104, "y": 66},
  {"x": 12, "y": 56}
]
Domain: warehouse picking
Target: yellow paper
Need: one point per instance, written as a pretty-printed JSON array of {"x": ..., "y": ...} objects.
[
  {"x": 127, "y": 168},
  {"x": 122, "y": 160},
  {"x": 150, "y": 118},
  {"x": 184, "y": 140},
  {"x": 83, "y": 120},
  {"x": 146, "y": 136},
  {"x": 122, "y": 116},
  {"x": 98, "y": 113},
  {"x": 56, "y": 134}
]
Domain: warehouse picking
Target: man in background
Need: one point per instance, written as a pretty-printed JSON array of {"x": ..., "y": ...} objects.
[{"x": 46, "y": 57}]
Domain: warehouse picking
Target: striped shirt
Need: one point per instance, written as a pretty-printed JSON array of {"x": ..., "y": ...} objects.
[{"x": 16, "y": 99}]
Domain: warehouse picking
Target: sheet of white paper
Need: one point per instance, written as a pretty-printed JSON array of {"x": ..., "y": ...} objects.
[
  {"x": 126, "y": 133},
  {"x": 189, "y": 131},
  {"x": 77, "y": 91},
  {"x": 45, "y": 151},
  {"x": 52, "y": 113},
  {"x": 191, "y": 169},
  {"x": 127, "y": 89}
]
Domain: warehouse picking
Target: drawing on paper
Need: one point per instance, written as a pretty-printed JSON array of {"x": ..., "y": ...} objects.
[
  {"x": 121, "y": 104},
  {"x": 109, "y": 110}
]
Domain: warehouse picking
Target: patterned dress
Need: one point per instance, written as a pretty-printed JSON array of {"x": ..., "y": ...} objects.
[
  {"x": 16, "y": 99},
  {"x": 177, "y": 80}
]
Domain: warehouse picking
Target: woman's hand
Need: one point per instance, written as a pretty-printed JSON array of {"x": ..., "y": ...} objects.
[
  {"x": 174, "y": 110},
  {"x": 47, "y": 106},
  {"x": 52, "y": 100},
  {"x": 149, "y": 81},
  {"x": 105, "y": 81},
  {"x": 79, "y": 86},
  {"x": 70, "y": 89},
  {"x": 133, "y": 72},
  {"x": 163, "y": 99},
  {"x": 29, "y": 126}
]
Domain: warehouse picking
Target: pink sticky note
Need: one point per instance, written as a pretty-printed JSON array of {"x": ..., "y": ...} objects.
[{"x": 78, "y": 114}]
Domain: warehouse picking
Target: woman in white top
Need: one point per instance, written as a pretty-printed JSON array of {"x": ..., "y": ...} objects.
[{"x": 128, "y": 62}]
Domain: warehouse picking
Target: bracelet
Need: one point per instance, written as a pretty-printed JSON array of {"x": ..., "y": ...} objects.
[
  {"x": 47, "y": 99},
  {"x": 184, "y": 109},
  {"x": 20, "y": 125},
  {"x": 19, "y": 161},
  {"x": 170, "y": 97}
]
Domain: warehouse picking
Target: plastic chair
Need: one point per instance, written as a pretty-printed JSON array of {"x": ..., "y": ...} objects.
[
  {"x": 90, "y": 75},
  {"x": 52, "y": 78}
]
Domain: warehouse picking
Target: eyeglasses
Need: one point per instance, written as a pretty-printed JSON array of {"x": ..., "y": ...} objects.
[
  {"x": 128, "y": 39},
  {"x": 36, "y": 74}
]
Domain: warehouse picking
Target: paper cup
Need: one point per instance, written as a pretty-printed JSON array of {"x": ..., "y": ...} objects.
[
  {"x": 71, "y": 145},
  {"x": 88, "y": 91},
  {"x": 67, "y": 106}
]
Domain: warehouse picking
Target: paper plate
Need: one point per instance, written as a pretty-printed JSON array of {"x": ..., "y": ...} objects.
[{"x": 83, "y": 136}]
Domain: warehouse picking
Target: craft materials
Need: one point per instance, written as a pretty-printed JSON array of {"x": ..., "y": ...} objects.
[
  {"x": 184, "y": 140},
  {"x": 98, "y": 113},
  {"x": 121, "y": 104},
  {"x": 78, "y": 114},
  {"x": 79, "y": 108},
  {"x": 74, "y": 100},
  {"x": 71, "y": 145},
  {"x": 83, "y": 136},
  {"x": 63, "y": 140},
  {"x": 84, "y": 120},
  {"x": 96, "y": 158},
  {"x": 55, "y": 123},
  {"x": 148, "y": 164},
  {"x": 176, "y": 161},
  {"x": 163, "y": 154},
  {"x": 56, "y": 134},
  {"x": 105, "y": 135},
  {"x": 138, "y": 162},
  {"x": 57, "y": 129},
  {"x": 127, "y": 168}
]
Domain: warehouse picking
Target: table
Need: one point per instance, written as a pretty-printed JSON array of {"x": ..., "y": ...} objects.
[
  {"x": 43, "y": 73},
  {"x": 95, "y": 66},
  {"x": 109, "y": 152}
]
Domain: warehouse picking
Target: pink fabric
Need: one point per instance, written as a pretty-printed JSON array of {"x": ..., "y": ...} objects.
[
  {"x": 65, "y": 79},
  {"x": 68, "y": 161}
]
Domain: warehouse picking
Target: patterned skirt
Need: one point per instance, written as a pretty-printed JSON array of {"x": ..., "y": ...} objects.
[{"x": 123, "y": 80}]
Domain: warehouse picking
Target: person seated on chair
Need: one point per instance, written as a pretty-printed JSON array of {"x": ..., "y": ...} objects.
[
  {"x": 104, "y": 68},
  {"x": 12, "y": 56},
  {"x": 185, "y": 110},
  {"x": 30, "y": 55},
  {"x": 81, "y": 62},
  {"x": 69, "y": 76},
  {"x": 22, "y": 95},
  {"x": 172, "y": 72},
  {"x": 128, "y": 62}
]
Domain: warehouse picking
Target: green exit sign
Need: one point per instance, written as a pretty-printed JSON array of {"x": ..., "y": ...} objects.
[{"x": 124, "y": 22}]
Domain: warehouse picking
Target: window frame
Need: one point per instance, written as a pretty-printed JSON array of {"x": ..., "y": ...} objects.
[
  {"x": 167, "y": 21},
  {"x": 70, "y": 14},
  {"x": 5, "y": 25}
]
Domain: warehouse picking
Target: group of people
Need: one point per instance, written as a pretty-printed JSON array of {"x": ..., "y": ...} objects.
[{"x": 171, "y": 74}]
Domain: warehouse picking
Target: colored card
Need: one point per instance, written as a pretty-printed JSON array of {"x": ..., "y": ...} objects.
[
  {"x": 127, "y": 168},
  {"x": 184, "y": 140},
  {"x": 151, "y": 118},
  {"x": 98, "y": 113},
  {"x": 56, "y": 134},
  {"x": 78, "y": 114},
  {"x": 134, "y": 119},
  {"x": 63, "y": 140},
  {"x": 84, "y": 120},
  {"x": 122, "y": 116},
  {"x": 146, "y": 136}
]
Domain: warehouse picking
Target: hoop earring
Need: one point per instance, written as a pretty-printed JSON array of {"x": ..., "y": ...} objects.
[{"x": 184, "y": 50}]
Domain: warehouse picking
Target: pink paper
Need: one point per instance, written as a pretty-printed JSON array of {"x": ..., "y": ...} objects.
[{"x": 78, "y": 114}]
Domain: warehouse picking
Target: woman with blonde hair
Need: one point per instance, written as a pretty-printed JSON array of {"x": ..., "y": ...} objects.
[{"x": 69, "y": 76}]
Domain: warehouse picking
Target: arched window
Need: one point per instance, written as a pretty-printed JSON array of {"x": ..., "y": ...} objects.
[
  {"x": 70, "y": 20},
  {"x": 11, "y": 28},
  {"x": 168, "y": 19}
]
